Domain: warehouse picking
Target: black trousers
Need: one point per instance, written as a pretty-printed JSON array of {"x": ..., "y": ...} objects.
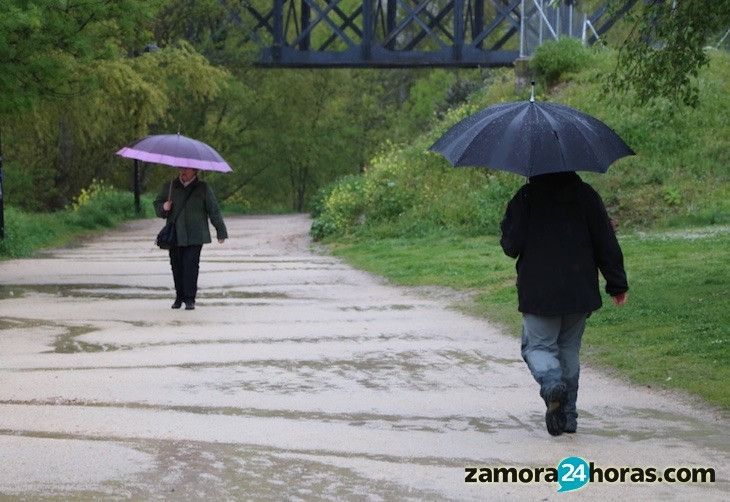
[{"x": 185, "y": 261}]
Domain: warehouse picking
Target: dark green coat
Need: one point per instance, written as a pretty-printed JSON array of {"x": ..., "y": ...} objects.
[{"x": 191, "y": 225}]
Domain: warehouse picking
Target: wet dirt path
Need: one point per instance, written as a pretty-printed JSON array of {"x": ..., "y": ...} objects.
[{"x": 296, "y": 378}]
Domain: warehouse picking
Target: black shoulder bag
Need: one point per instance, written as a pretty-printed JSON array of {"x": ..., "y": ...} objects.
[{"x": 167, "y": 237}]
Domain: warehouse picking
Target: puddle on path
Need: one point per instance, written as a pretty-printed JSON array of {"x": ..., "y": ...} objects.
[
  {"x": 665, "y": 424},
  {"x": 118, "y": 292},
  {"x": 193, "y": 470},
  {"x": 65, "y": 343},
  {"x": 441, "y": 422},
  {"x": 108, "y": 291},
  {"x": 380, "y": 308}
]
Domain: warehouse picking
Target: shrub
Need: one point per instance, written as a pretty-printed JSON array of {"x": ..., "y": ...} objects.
[
  {"x": 95, "y": 207},
  {"x": 385, "y": 187},
  {"x": 554, "y": 59},
  {"x": 100, "y": 205},
  {"x": 316, "y": 203},
  {"x": 237, "y": 203},
  {"x": 342, "y": 204}
]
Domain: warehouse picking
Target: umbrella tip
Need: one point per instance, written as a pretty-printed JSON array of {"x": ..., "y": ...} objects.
[
  {"x": 532, "y": 92},
  {"x": 178, "y": 129}
]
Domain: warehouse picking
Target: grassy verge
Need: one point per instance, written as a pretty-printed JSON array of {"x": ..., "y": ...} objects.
[
  {"x": 100, "y": 208},
  {"x": 673, "y": 333}
]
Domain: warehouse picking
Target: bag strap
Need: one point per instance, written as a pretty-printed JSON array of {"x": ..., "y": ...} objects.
[{"x": 184, "y": 201}]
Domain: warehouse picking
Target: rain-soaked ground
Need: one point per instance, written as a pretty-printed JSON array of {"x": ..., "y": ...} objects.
[{"x": 296, "y": 378}]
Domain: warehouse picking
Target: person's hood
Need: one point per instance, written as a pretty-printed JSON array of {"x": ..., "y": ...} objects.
[
  {"x": 563, "y": 178},
  {"x": 556, "y": 186}
]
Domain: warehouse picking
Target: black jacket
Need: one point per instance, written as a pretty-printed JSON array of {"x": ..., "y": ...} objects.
[{"x": 558, "y": 229}]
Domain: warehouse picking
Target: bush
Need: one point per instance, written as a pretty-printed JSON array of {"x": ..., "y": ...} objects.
[
  {"x": 317, "y": 202},
  {"x": 386, "y": 189},
  {"x": 99, "y": 206},
  {"x": 341, "y": 205},
  {"x": 236, "y": 203},
  {"x": 554, "y": 59}
]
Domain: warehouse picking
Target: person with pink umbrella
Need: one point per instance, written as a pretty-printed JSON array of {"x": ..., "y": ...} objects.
[{"x": 186, "y": 202}]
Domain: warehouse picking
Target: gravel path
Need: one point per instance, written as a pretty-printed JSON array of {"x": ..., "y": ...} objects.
[{"x": 296, "y": 378}]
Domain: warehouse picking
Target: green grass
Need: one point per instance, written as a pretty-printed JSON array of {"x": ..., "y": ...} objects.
[
  {"x": 673, "y": 332},
  {"x": 27, "y": 232}
]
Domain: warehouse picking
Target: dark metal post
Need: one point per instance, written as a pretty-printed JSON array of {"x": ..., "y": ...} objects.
[
  {"x": 137, "y": 208},
  {"x": 278, "y": 29},
  {"x": 478, "y": 21},
  {"x": 390, "y": 23},
  {"x": 367, "y": 28},
  {"x": 458, "y": 28},
  {"x": 304, "y": 44}
]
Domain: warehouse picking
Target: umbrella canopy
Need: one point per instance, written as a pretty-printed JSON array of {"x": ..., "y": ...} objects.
[
  {"x": 531, "y": 138},
  {"x": 177, "y": 151}
]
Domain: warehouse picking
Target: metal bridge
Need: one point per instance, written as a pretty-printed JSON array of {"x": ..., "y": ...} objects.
[{"x": 410, "y": 33}]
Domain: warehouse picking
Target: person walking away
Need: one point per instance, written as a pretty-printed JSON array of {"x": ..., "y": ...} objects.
[
  {"x": 558, "y": 229},
  {"x": 190, "y": 203}
]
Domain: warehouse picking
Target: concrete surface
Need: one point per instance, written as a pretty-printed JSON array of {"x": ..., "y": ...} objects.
[{"x": 296, "y": 378}]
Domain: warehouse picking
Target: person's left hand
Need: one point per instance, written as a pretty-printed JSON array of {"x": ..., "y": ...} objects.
[
  {"x": 620, "y": 299},
  {"x": 221, "y": 241}
]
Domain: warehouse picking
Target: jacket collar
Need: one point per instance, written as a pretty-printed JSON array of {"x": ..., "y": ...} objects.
[{"x": 193, "y": 183}]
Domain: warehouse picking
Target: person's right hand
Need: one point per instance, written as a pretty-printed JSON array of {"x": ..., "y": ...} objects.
[
  {"x": 167, "y": 205},
  {"x": 619, "y": 300}
]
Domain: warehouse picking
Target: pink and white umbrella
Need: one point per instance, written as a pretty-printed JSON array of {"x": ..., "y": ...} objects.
[{"x": 177, "y": 151}]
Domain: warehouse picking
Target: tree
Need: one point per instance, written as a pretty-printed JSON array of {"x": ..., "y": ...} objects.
[
  {"x": 56, "y": 147},
  {"x": 666, "y": 48},
  {"x": 45, "y": 43}
]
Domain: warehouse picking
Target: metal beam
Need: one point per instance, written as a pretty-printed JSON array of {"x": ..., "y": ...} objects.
[
  {"x": 388, "y": 33},
  {"x": 304, "y": 44},
  {"x": 383, "y": 58}
]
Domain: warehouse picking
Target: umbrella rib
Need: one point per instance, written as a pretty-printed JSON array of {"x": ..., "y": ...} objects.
[
  {"x": 457, "y": 138},
  {"x": 553, "y": 128},
  {"x": 511, "y": 134},
  {"x": 587, "y": 142},
  {"x": 481, "y": 125}
]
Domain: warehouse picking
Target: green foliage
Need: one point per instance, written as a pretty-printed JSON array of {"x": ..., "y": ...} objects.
[
  {"x": 75, "y": 88},
  {"x": 95, "y": 207},
  {"x": 675, "y": 321},
  {"x": 427, "y": 94},
  {"x": 46, "y": 46},
  {"x": 63, "y": 145},
  {"x": 555, "y": 59},
  {"x": 679, "y": 175},
  {"x": 663, "y": 54},
  {"x": 339, "y": 205},
  {"x": 100, "y": 205}
]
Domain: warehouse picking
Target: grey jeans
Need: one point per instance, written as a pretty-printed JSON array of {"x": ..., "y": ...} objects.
[{"x": 550, "y": 347}]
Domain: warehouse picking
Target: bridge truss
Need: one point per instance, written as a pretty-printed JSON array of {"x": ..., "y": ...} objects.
[{"x": 408, "y": 33}]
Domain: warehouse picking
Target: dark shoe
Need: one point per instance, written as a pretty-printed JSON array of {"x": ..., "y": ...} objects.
[
  {"x": 554, "y": 416},
  {"x": 177, "y": 304},
  {"x": 189, "y": 305},
  {"x": 571, "y": 425}
]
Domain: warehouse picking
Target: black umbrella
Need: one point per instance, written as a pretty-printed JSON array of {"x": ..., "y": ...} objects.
[{"x": 531, "y": 138}]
